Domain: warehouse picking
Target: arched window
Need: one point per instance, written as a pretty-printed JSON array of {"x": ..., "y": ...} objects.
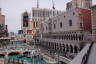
[
  {"x": 36, "y": 24},
  {"x": 70, "y": 22},
  {"x": 69, "y": 37},
  {"x": 76, "y": 49},
  {"x": 76, "y": 37},
  {"x": 60, "y": 24},
  {"x": 71, "y": 49},
  {"x": 54, "y": 26},
  {"x": 80, "y": 37},
  {"x": 55, "y": 46},
  {"x": 33, "y": 24},
  {"x": 67, "y": 48},
  {"x": 73, "y": 37},
  {"x": 63, "y": 48}
]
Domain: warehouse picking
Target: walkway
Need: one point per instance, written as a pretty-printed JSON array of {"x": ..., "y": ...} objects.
[
  {"x": 79, "y": 57},
  {"x": 92, "y": 57},
  {"x": 48, "y": 59}
]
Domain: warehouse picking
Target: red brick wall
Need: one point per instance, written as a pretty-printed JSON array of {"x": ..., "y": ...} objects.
[{"x": 86, "y": 16}]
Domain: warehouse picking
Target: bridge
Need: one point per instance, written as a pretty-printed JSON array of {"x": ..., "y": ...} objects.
[{"x": 17, "y": 48}]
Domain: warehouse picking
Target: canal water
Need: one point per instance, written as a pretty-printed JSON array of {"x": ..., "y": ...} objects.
[{"x": 34, "y": 60}]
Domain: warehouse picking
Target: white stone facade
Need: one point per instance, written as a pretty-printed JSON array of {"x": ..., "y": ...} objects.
[
  {"x": 59, "y": 30},
  {"x": 64, "y": 19}
]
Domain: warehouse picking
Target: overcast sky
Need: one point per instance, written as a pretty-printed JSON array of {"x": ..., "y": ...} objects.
[{"x": 14, "y": 8}]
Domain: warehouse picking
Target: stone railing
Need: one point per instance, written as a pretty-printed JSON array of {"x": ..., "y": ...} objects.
[{"x": 86, "y": 56}]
